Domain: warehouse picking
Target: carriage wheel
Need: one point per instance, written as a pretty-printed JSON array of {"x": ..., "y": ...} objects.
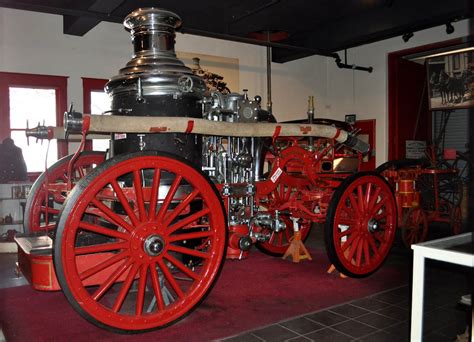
[
  {"x": 456, "y": 220},
  {"x": 360, "y": 224},
  {"x": 156, "y": 230},
  {"x": 415, "y": 226},
  {"x": 279, "y": 242},
  {"x": 42, "y": 206}
]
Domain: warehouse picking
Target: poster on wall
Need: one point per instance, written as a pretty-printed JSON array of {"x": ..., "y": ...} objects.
[
  {"x": 451, "y": 81},
  {"x": 220, "y": 73}
]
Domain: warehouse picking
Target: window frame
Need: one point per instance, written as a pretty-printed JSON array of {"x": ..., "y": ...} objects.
[
  {"x": 89, "y": 85},
  {"x": 23, "y": 80}
]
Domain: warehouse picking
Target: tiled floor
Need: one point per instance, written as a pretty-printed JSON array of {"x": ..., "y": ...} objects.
[
  {"x": 381, "y": 317},
  {"x": 385, "y": 316}
]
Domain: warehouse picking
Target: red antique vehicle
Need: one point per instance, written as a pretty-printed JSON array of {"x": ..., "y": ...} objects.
[
  {"x": 426, "y": 191},
  {"x": 138, "y": 236}
]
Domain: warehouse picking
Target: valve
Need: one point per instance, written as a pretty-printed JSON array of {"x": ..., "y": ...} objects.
[{"x": 72, "y": 121}]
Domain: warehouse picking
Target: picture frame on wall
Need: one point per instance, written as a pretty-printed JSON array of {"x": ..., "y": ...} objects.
[{"x": 451, "y": 81}]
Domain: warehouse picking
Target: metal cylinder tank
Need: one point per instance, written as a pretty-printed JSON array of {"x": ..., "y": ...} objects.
[{"x": 155, "y": 83}]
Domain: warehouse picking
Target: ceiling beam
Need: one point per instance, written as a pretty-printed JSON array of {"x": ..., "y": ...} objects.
[{"x": 80, "y": 25}]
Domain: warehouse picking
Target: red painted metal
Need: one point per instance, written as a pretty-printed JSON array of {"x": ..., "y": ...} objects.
[
  {"x": 415, "y": 210},
  {"x": 180, "y": 276},
  {"x": 50, "y": 189}
]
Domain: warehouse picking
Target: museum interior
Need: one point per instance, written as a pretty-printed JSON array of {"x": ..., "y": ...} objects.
[{"x": 267, "y": 170}]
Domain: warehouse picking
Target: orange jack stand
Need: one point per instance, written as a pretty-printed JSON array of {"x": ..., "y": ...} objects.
[
  {"x": 332, "y": 268},
  {"x": 296, "y": 249}
]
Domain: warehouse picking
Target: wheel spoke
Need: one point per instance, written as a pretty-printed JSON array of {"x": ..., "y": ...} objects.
[
  {"x": 124, "y": 202},
  {"x": 50, "y": 210},
  {"x": 359, "y": 251},
  {"x": 154, "y": 194},
  {"x": 373, "y": 245},
  {"x": 272, "y": 237},
  {"x": 366, "y": 252},
  {"x": 379, "y": 205},
  {"x": 354, "y": 248},
  {"x": 188, "y": 220},
  {"x": 368, "y": 191},
  {"x": 103, "y": 265},
  {"x": 169, "y": 277},
  {"x": 188, "y": 251},
  {"x": 184, "y": 203},
  {"x": 141, "y": 290},
  {"x": 374, "y": 198},
  {"x": 346, "y": 221},
  {"x": 103, "y": 231},
  {"x": 182, "y": 267},
  {"x": 360, "y": 198},
  {"x": 169, "y": 197},
  {"x": 111, "y": 216},
  {"x": 349, "y": 241},
  {"x": 190, "y": 236},
  {"x": 280, "y": 239},
  {"x": 81, "y": 172},
  {"x": 156, "y": 286},
  {"x": 125, "y": 288},
  {"x": 343, "y": 233},
  {"x": 48, "y": 226},
  {"x": 105, "y": 247},
  {"x": 105, "y": 286},
  {"x": 138, "y": 186},
  {"x": 354, "y": 204}
]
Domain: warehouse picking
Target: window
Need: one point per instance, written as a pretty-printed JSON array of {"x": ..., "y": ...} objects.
[
  {"x": 33, "y": 99},
  {"x": 96, "y": 101}
]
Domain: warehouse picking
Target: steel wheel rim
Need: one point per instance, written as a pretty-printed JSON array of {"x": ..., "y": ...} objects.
[
  {"x": 364, "y": 230},
  {"x": 142, "y": 268},
  {"x": 37, "y": 210}
]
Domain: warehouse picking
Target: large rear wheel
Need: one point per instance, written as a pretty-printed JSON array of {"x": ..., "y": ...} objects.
[
  {"x": 360, "y": 224},
  {"x": 155, "y": 230}
]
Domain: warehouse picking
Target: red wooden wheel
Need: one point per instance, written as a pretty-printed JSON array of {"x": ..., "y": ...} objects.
[
  {"x": 360, "y": 225},
  {"x": 155, "y": 226},
  {"x": 279, "y": 242},
  {"x": 456, "y": 220},
  {"x": 44, "y": 202},
  {"x": 415, "y": 226}
]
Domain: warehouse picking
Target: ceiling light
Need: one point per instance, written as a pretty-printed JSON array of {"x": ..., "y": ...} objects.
[
  {"x": 449, "y": 28},
  {"x": 406, "y": 37}
]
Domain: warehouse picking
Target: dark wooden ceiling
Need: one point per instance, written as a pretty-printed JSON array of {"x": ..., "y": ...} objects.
[{"x": 313, "y": 26}]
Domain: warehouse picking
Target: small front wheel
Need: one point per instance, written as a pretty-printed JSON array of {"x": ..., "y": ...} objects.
[{"x": 360, "y": 224}]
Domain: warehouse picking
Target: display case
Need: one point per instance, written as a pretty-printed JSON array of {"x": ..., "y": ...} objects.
[{"x": 12, "y": 204}]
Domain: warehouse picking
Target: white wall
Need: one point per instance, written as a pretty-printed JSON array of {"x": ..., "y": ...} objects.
[
  {"x": 34, "y": 43},
  {"x": 366, "y": 94}
]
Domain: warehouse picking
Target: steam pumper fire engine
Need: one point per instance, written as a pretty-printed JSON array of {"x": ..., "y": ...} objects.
[{"x": 140, "y": 234}]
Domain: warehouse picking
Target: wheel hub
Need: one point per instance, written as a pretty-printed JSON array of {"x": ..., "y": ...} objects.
[
  {"x": 372, "y": 225},
  {"x": 154, "y": 245}
]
